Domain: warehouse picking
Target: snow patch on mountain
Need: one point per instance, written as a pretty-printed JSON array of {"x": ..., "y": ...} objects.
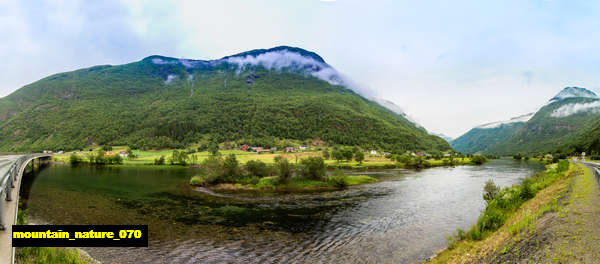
[
  {"x": 571, "y": 109},
  {"x": 522, "y": 118},
  {"x": 570, "y": 92}
]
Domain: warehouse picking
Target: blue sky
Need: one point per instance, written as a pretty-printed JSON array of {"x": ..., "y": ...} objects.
[{"x": 451, "y": 65}]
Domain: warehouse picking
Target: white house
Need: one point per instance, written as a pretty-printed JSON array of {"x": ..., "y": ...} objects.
[{"x": 373, "y": 152}]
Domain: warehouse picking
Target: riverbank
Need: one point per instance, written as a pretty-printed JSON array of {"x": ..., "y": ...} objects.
[
  {"x": 49, "y": 254},
  {"x": 530, "y": 232}
]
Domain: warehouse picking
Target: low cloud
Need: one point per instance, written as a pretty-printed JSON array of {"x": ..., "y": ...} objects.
[
  {"x": 571, "y": 109},
  {"x": 286, "y": 60}
]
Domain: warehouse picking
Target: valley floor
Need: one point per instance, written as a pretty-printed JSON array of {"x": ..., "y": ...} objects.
[{"x": 559, "y": 225}]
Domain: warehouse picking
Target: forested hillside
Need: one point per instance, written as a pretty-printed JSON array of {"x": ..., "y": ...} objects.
[{"x": 258, "y": 97}]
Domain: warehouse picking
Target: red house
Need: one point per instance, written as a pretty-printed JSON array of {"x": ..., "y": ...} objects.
[{"x": 244, "y": 147}]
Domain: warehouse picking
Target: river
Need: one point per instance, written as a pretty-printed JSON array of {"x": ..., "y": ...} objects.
[{"x": 403, "y": 218}]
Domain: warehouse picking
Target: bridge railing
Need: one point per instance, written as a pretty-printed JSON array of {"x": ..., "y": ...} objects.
[{"x": 7, "y": 184}]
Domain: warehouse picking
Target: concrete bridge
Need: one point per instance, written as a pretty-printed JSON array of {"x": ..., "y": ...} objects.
[{"x": 12, "y": 170}]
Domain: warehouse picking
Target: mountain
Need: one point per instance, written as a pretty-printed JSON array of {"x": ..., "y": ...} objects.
[
  {"x": 573, "y": 92},
  {"x": 481, "y": 138},
  {"x": 445, "y": 137},
  {"x": 259, "y": 97},
  {"x": 556, "y": 125}
]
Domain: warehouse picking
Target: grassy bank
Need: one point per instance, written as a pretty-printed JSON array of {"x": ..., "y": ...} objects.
[
  {"x": 46, "y": 255},
  {"x": 512, "y": 210}
]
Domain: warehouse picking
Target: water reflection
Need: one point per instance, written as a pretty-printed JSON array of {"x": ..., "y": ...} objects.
[{"x": 404, "y": 218}]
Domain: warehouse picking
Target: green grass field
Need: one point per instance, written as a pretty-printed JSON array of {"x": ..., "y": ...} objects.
[{"x": 371, "y": 161}]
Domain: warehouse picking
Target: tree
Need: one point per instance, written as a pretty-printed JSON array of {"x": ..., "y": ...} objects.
[
  {"x": 100, "y": 157},
  {"x": 213, "y": 147},
  {"x": 337, "y": 155},
  {"x": 159, "y": 161},
  {"x": 130, "y": 154},
  {"x": 107, "y": 148},
  {"x": 478, "y": 159},
  {"x": 313, "y": 168},
  {"x": 257, "y": 168},
  {"x": 285, "y": 169},
  {"x": 179, "y": 158},
  {"x": 347, "y": 153},
  {"x": 359, "y": 156},
  {"x": 326, "y": 154},
  {"x": 231, "y": 166},
  {"x": 74, "y": 159}
]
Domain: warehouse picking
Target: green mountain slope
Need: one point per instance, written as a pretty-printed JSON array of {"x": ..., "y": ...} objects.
[
  {"x": 545, "y": 131},
  {"x": 479, "y": 140},
  {"x": 255, "y": 97},
  {"x": 560, "y": 124}
]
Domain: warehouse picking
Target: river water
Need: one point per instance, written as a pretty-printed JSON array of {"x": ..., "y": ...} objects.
[{"x": 403, "y": 218}]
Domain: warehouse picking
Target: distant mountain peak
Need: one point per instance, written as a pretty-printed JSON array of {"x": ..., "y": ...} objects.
[
  {"x": 572, "y": 91},
  {"x": 300, "y": 51}
]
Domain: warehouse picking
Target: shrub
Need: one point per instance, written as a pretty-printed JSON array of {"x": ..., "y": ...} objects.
[
  {"x": 313, "y": 168},
  {"x": 563, "y": 165},
  {"x": 75, "y": 159},
  {"x": 212, "y": 170},
  {"x": 257, "y": 168},
  {"x": 490, "y": 191},
  {"x": 359, "y": 156},
  {"x": 159, "y": 161},
  {"x": 337, "y": 179},
  {"x": 478, "y": 159},
  {"x": 284, "y": 168},
  {"x": 231, "y": 167},
  {"x": 453, "y": 239},
  {"x": 526, "y": 192},
  {"x": 197, "y": 180},
  {"x": 326, "y": 154}
]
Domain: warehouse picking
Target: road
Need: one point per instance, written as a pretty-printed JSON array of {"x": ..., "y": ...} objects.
[{"x": 6, "y": 250}]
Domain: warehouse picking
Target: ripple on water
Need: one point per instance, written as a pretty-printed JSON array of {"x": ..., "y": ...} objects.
[{"x": 402, "y": 218}]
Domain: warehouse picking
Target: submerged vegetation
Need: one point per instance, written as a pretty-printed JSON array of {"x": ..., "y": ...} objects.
[
  {"x": 45, "y": 255},
  {"x": 311, "y": 172}
]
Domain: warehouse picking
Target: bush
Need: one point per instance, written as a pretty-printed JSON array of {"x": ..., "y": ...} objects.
[
  {"x": 337, "y": 179},
  {"x": 490, "y": 191},
  {"x": 212, "y": 170},
  {"x": 284, "y": 168},
  {"x": 313, "y": 168},
  {"x": 453, "y": 239},
  {"x": 326, "y": 154},
  {"x": 257, "y": 168},
  {"x": 231, "y": 167},
  {"x": 517, "y": 156},
  {"x": 526, "y": 192},
  {"x": 159, "y": 161},
  {"x": 359, "y": 156},
  {"x": 75, "y": 159},
  {"x": 478, "y": 159},
  {"x": 563, "y": 165}
]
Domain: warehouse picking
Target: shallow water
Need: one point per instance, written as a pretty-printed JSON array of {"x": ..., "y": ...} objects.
[{"x": 403, "y": 218}]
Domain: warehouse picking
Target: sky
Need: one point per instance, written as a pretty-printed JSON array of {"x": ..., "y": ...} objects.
[{"x": 450, "y": 65}]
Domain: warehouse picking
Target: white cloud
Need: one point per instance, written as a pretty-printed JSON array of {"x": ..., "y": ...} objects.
[{"x": 571, "y": 109}]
